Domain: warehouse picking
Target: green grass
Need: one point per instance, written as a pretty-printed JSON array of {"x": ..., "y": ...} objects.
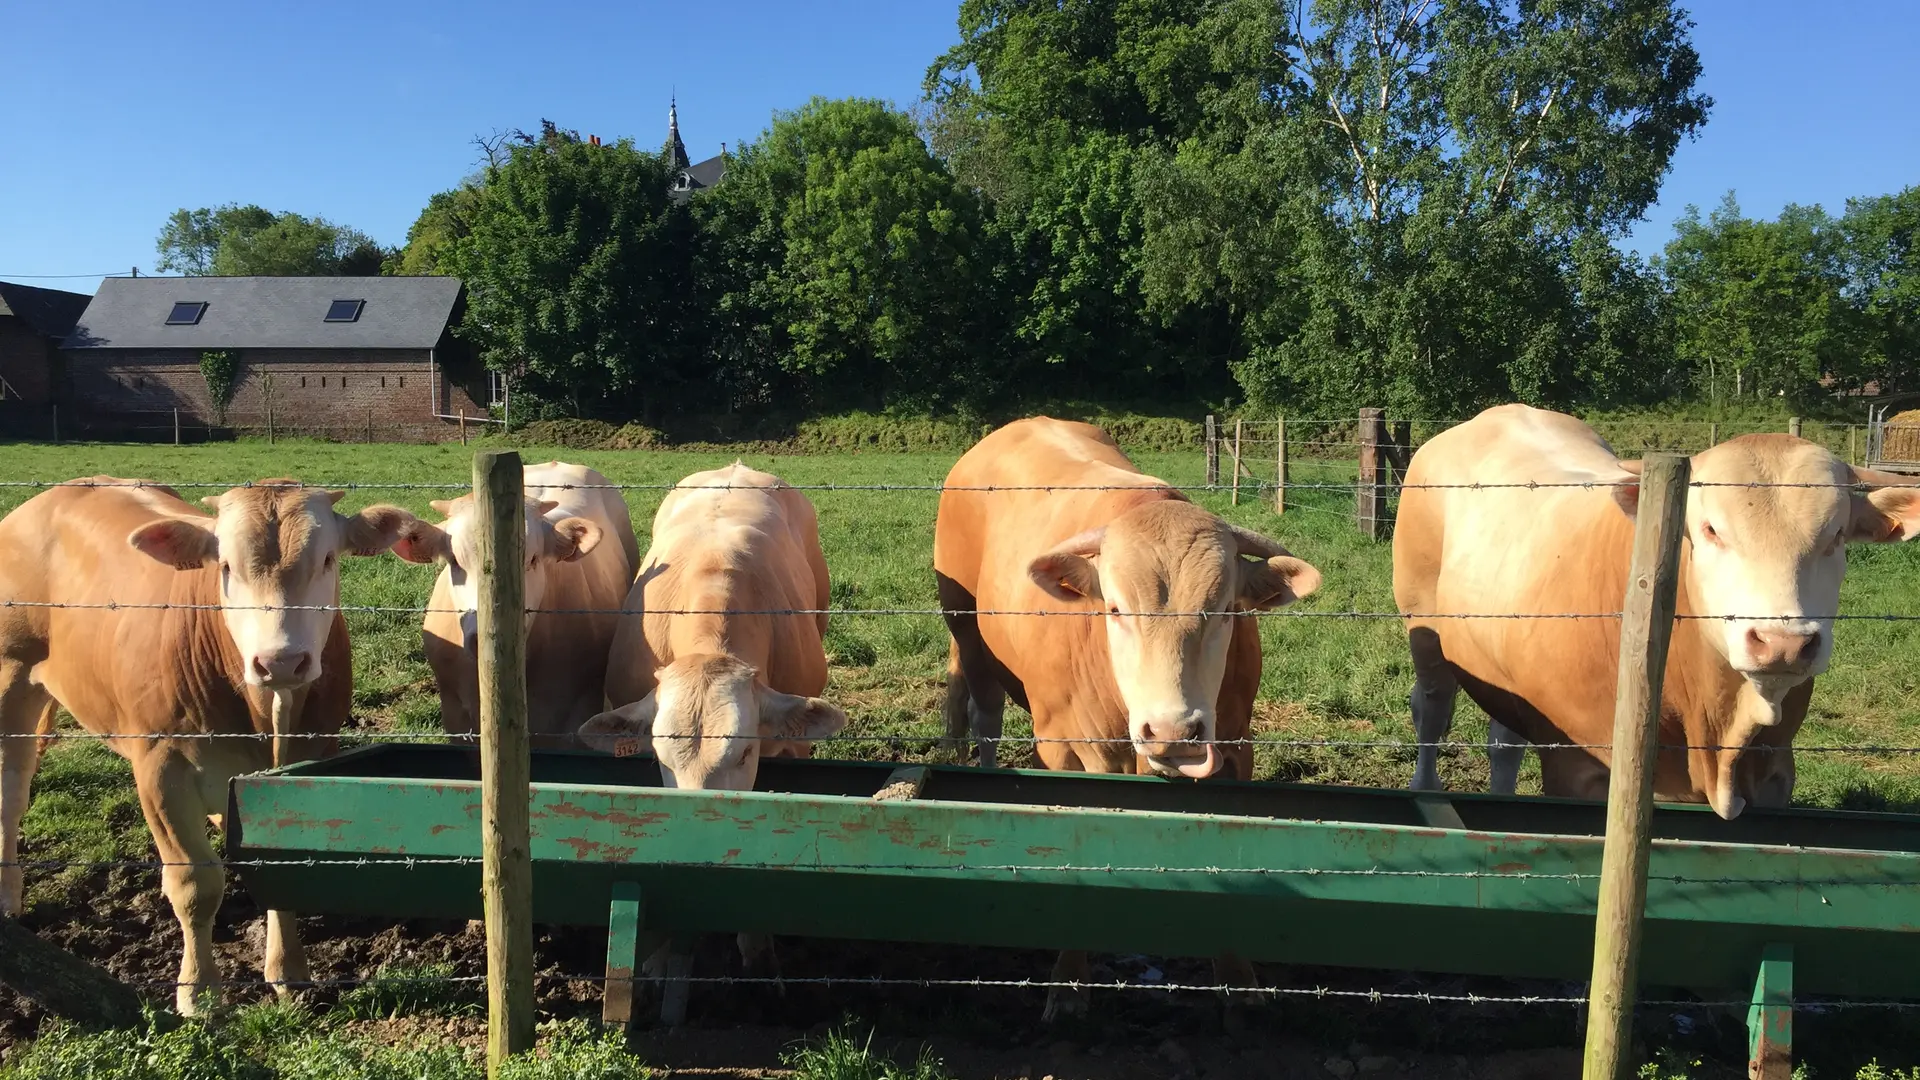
[
  {"x": 841, "y": 1056},
  {"x": 273, "y": 1041}
]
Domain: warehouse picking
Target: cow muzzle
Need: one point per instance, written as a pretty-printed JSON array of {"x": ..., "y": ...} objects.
[
  {"x": 1180, "y": 747},
  {"x": 283, "y": 670}
]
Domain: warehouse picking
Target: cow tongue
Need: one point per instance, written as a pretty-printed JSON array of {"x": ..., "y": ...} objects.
[{"x": 1204, "y": 768}]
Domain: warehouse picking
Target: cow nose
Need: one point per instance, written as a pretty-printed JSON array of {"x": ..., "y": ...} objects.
[
  {"x": 1781, "y": 650},
  {"x": 1174, "y": 736},
  {"x": 284, "y": 668}
]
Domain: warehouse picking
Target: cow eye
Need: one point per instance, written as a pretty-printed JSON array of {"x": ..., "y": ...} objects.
[
  {"x": 225, "y": 573},
  {"x": 1113, "y": 609},
  {"x": 1707, "y": 530}
]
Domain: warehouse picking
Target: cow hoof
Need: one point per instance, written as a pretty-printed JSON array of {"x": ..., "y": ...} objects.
[{"x": 1064, "y": 1003}]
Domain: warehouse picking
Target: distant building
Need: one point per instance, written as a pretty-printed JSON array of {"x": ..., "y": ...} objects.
[
  {"x": 324, "y": 355},
  {"x": 33, "y": 322},
  {"x": 689, "y": 178}
]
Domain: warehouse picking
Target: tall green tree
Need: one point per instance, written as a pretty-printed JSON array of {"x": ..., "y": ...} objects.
[
  {"x": 1760, "y": 304},
  {"x": 1883, "y": 280},
  {"x": 577, "y": 267},
  {"x": 445, "y": 220},
  {"x": 845, "y": 253},
  {"x": 238, "y": 240}
]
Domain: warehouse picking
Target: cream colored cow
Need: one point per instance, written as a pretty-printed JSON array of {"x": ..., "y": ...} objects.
[
  {"x": 251, "y": 643},
  {"x": 1765, "y": 561}
]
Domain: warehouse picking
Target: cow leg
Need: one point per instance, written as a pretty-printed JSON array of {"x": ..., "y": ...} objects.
[
  {"x": 1506, "y": 751},
  {"x": 758, "y": 951},
  {"x": 986, "y": 698},
  {"x": 1063, "y": 1001},
  {"x": 190, "y": 877},
  {"x": 1232, "y": 971},
  {"x": 286, "y": 960},
  {"x": 1435, "y": 687},
  {"x": 21, "y": 707}
]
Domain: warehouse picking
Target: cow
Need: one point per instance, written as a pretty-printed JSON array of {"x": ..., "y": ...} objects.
[
  {"x": 718, "y": 659},
  {"x": 1047, "y": 518},
  {"x": 1760, "y": 572},
  {"x": 572, "y": 513},
  {"x": 155, "y": 625}
]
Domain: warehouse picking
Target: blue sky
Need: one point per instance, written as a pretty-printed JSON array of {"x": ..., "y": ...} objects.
[{"x": 119, "y": 112}]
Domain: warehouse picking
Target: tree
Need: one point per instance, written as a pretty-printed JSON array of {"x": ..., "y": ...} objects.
[
  {"x": 446, "y": 219},
  {"x": 1883, "y": 280},
  {"x": 846, "y": 253},
  {"x": 577, "y": 272},
  {"x": 249, "y": 240},
  {"x": 1760, "y": 305}
]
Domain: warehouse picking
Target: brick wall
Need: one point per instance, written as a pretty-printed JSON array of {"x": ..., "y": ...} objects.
[
  {"x": 335, "y": 393},
  {"x": 26, "y": 360}
]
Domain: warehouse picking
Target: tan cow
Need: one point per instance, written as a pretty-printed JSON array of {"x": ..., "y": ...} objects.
[
  {"x": 704, "y": 664},
  {"x": 1158, "y": 669},
  {"x": 713, "y": 676},
  {"x": 1765, "y": 561},
  {"x": 254, "y": 645},
  {"x": 571, "y": 514}
]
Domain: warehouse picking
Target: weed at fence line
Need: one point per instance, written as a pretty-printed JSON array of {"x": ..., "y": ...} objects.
[
  {"x": 409, "y": 990},
  {"x": 840, "y": 1056}
]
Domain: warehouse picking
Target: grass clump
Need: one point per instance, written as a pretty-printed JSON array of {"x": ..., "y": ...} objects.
[
  {"x": 838, "y": 1056},
  {"x": 409, "y": 990}
]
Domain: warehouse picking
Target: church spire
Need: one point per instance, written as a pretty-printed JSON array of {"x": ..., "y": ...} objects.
[{"x": 676, "y": 150}]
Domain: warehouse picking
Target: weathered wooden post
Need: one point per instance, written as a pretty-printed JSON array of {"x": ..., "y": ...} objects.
[
  {"x": 1793, "y": 426},
  {"x": 506, "y": 879},
  {"x": 1239, "y": 428},
  {"x": 176, "y": 427},
  {"x": 266, "y": 391},
  {"x": 463, "y": 425},
  {"x": 1851, "y": 459},
  {"x": 1713, "y": 434},
  {"x": 1280, "y": 465},
  {"x": 1213, "y": 452},
  {"x": 1366, "y": 494},
  {"x": 1646, "y": 624}
]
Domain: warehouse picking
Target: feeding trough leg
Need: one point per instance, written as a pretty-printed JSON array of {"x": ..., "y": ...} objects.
[
  {"x": 1770, "y": 1017},
  {"x": 623, "y": 949}
]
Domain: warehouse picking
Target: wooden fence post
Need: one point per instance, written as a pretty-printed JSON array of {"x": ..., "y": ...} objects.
[
  {"x": 1851, "y": 460},
  {"x": 463, "y": 425},
  {"x": 1213, "y": 452},
  {"x": 506, "y": 864},
  {"x": 176, "y": 427},
  {"x": 1367, "y": 495},
  {"x": 1646, "y": 624},
  {"x": 1280, "y": 465},
  {"x": 1239, "y": 428},
  {"x": 1713, "y": 435},
  {"x": 1793, "y": 426}
]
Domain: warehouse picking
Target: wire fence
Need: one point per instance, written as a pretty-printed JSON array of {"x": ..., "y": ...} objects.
[{"x": 1332, "y": 438}]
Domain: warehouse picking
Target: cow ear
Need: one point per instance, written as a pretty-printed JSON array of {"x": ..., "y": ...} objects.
[
  {"x": 422, "y": 542},
  {"x": 543, "y": 507},
  {"x": 1889, "y": 512},
  {"x": 443, "y": 507},
  {"x": 1628, "y": 494},
  {"x": 788, "y": 719},
  {"x": 180, "y": 544},
  {"x": 573, "y": 537},
  {"x": 1067, "y": 572},
  {"x": 624, "y": 732},
  {"x": 373, "y": 530},
  {"x": 334, "y": 497},
  {"x": 1065, "y": 577},
  {"x": 1276, "y": 582},
  {"x": 212, "y": 502}
]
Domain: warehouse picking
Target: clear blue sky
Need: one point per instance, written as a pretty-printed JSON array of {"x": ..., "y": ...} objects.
[{"x": 118, "y": 113}]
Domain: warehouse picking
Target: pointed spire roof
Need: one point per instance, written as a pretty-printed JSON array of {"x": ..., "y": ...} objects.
[{"x": 676, "y": 150}]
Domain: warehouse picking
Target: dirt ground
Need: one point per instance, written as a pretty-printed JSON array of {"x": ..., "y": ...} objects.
[{"x": 120, "y": 921}]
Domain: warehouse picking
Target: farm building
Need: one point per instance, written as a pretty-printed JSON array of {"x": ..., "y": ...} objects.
[
  {"x": 33, "y": 322},
  {"x": 329, "y": 356}
]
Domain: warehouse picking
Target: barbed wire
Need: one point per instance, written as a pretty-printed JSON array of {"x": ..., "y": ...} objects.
[
  {"x": 1519, "y": 485},
  {"x": 437, "y": 738},
  {"x": 414, "y": 862}
]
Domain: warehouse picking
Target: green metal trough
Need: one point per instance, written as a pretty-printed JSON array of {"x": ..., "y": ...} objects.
[{"x": 1285, "y": 873}]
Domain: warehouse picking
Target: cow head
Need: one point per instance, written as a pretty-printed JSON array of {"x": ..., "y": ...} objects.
[
  {"x": 1766, "y": 562},
  {"x": 1171, "y": 577},
  {"x": 277, "y": 547},
  {"x": 709, "y": 720},
  {"x": 452, "y": 543}
]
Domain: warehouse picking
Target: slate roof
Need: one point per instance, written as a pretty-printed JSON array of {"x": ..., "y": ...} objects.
[
  {"x": 47, "y": 312},
  {"x": 700, "y": 174},
  {"x": 267, "y": 313}
]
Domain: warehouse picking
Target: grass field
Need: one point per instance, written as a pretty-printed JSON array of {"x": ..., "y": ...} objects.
[{"x": 1337, "y": 679}]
